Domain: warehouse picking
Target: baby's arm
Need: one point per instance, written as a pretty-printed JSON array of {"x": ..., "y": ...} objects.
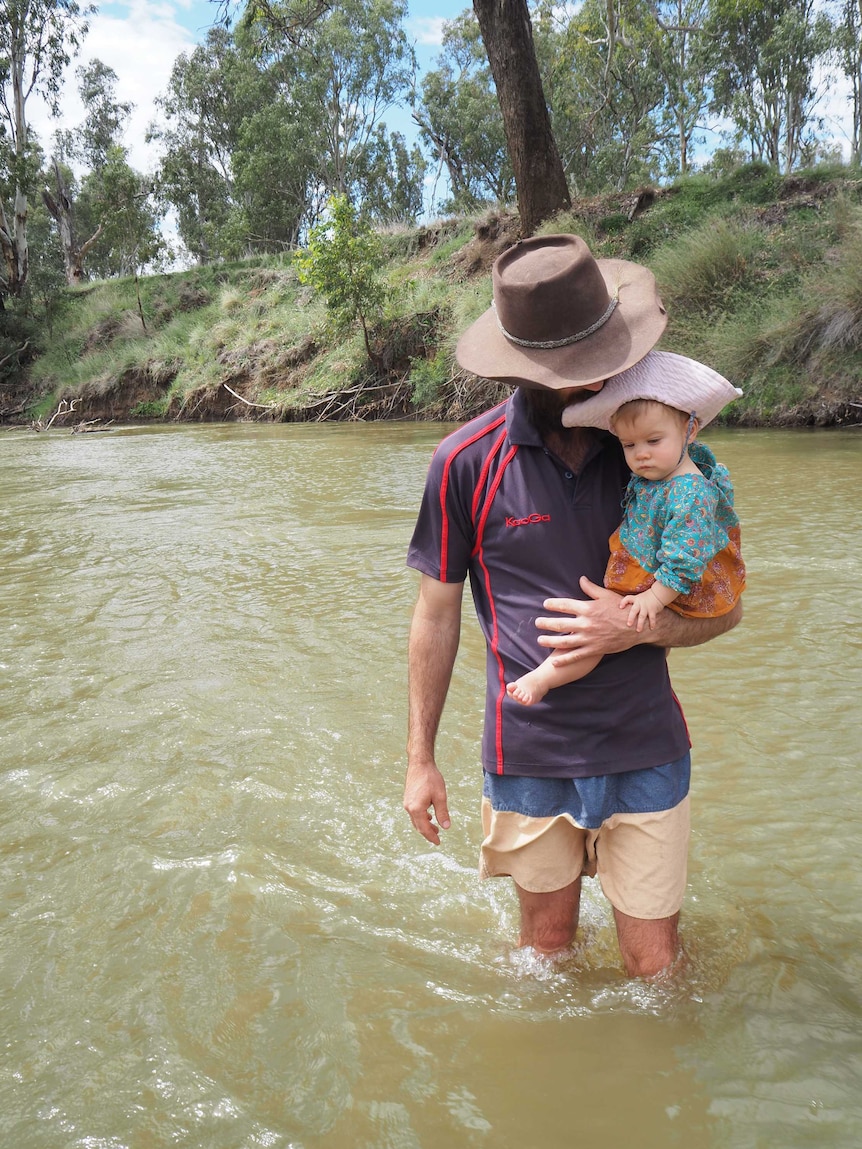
[
  {"x": 646, "y": 606},
  {"x": 682, "y": 553}
]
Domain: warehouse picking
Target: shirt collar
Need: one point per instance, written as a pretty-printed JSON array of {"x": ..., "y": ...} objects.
[{"x": 520, "y": 430}]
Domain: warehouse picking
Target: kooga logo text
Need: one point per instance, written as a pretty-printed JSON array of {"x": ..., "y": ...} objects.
[{"x": 534, "y": 518}]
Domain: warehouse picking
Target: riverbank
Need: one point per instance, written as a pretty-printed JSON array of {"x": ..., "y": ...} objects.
[{"x": 760, "y": 276}]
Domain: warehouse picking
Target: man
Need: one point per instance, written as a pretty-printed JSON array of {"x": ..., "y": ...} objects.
[{"x": 594, "y": 778}]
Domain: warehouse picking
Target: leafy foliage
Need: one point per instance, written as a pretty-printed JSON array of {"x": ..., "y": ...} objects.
[
  {"x": 344, "y": 262},
  {"x": 459, "y": 117},
  {"x": 37, "y": 40}
]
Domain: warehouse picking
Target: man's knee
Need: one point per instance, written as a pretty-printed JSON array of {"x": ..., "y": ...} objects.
[
  {"x": 547, "y": 937},
  {"x": 648, "y": 947},
  {"x": 549, "y": 921}
]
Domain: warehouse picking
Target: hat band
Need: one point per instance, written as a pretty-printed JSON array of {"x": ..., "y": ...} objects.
[{"x": 550, "y": 344}]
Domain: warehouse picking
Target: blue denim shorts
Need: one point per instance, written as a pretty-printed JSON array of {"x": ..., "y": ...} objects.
[{"x": 591, "y": 801}]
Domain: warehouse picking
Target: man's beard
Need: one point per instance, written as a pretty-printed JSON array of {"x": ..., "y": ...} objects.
[{"x": 545, "y": 408}]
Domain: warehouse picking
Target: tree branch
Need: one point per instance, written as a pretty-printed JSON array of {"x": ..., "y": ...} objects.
[
  {"x": 12, "y": 355},
  {"x": 248, "y": 403}
]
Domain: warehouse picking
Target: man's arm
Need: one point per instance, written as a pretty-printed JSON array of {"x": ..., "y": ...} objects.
[
  {"x": 597, "y": 626},
  {"x": 434, "y": 635}
]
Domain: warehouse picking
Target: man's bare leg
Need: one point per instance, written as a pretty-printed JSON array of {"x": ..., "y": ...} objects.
[
  {"x": 647, "y": 947},
  {"x": 549, "y": 921}
]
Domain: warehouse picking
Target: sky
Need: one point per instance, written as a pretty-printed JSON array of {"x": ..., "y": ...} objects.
[{"x": 140, "y": 40}]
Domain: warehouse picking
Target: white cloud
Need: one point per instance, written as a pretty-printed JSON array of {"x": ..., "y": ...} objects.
[
  {"x": 427, "y": 30},
  {"x": 140, "y": 41}
]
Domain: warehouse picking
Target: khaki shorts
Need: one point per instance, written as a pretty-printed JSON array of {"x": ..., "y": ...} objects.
[{"x": 640, "y": 859}]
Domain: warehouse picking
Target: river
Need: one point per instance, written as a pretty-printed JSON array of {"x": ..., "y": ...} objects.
[{"x": 218, "y": 928}]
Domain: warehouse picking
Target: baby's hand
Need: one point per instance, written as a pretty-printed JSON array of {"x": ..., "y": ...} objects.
[{"x": 643, "y": 608}]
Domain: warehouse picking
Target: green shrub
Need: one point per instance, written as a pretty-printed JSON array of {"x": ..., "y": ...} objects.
[
  {"x": 150, "y": 409},
  {"x": 344, "y": 262},
  {"x": 614, "y": 223},
  {"x": 755, "y": 183},
  {"x": 428, "y": 377}
]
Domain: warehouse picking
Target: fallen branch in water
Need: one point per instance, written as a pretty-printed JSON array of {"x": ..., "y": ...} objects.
[
  {"x": 89, "y": 425},
  {"x": 334, "y": 404},
  {"x": 64, "y": 408}
]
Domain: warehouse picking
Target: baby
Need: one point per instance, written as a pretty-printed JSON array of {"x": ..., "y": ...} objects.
[{"x": 678, "y": 545}]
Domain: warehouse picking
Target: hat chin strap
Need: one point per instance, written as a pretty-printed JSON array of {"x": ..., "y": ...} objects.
[
  {"x": 688, "y": 431},
  {"x": 551, "y": 344}
]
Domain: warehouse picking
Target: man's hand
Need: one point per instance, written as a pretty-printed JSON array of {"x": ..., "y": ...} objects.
[
  {"x": 593, "y": 627},
  {"x": 424, "y": 789}
]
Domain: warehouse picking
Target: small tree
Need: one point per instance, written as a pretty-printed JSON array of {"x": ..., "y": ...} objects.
[{"x": 343, "y": 261}]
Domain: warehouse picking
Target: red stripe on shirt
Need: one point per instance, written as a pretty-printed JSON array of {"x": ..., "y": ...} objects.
[
  {"x": 681, "y": 714},
  {"x": 495, "y": 634},
  {"x": 444, "y": 486},
  {"x": 483, "y": 475}
]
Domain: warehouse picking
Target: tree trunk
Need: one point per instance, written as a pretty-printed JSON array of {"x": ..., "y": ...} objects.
[
  {"x": 539, "y": 177},
  {"x": 13, "y": 233},
  {"x": 61, "y": 209}
]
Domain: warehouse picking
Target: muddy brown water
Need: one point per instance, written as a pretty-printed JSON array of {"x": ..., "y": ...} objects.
[{"x": 217, "y": 926}]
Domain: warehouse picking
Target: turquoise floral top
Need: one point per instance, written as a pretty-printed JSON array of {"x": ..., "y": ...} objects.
[{"x": 674, "y": 527}]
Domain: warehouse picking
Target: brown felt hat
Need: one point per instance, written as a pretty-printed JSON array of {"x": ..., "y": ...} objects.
[{"x": 561, "y": 318}]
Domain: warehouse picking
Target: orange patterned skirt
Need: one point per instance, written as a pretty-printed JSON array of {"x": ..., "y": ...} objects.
[{"x": 717, "y": 593}]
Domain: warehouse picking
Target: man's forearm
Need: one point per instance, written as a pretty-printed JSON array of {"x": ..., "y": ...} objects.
[
  {"x": 674, "y": 630},
  {"x": 431, "y": 656},
  {"x": 596, "y": 626}
]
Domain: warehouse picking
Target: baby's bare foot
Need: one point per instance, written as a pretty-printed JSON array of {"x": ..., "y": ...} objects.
[{"x": 527, "y": 690}]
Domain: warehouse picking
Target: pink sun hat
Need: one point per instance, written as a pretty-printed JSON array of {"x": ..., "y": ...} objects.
[{"x": 674, "y": 380}]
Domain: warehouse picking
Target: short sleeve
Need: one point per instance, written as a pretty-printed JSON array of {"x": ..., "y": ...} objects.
[{"x": 443, "y": 538}]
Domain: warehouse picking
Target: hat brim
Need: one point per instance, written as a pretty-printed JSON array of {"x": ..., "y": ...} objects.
[
  {"x": 674, "y": 380},
  {"x": 634, "y": 327}
]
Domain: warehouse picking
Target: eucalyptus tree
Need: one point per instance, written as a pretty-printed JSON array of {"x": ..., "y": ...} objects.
[
  {"x": 391, "y": 185},
  {"x": 460, "y": 121},
  {"x": 291, "y": 19},
  {"x": 683, "y": 54},
  {"x": 105, "y": 116},
  {"x": 106, "y": 218},
  {"x": 606, "y": 93},
  {"x": 848, "y": 46},
  {"x": 352, "y": 66},
  {"x": 766, "y": 79},
  {"x": 227, "y": 132},
  {"x": 539, "y": 177},
  {"x": 260, "y": 128},
  {"x": 37, "y": 40},
  {"x": 274, "y": 186}
]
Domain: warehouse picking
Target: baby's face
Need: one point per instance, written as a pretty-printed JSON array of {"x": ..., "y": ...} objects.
[{"x": 653, "y": 443}]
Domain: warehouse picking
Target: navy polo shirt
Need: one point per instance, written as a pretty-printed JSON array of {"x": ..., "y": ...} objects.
[{"x": 500, "y": 508}]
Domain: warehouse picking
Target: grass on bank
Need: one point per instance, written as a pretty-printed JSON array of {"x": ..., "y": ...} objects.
[{"x": 762, "y": 278}]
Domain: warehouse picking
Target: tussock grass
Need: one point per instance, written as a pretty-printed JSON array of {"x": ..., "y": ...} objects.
[
  {"x": 699, "y": 273},
  {"x": 808, "y": 338}
]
